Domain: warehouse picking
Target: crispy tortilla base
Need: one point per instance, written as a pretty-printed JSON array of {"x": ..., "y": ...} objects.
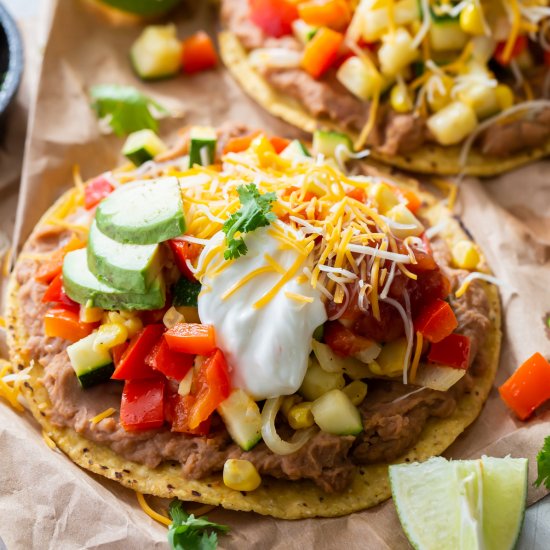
[
  {"x": 430, "y": 159},
  {"x": 278, "y": 498}
]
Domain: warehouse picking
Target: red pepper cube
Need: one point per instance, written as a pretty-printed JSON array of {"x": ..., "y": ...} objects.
[
  {"x": 60, "y": 322},
  {"x": 198, "y": 53},
  {"x": 171, "y": 363},
  {"x": 55, "y": 294},
  {"x": 436, "y": 321},
  {"x": 142, "y": 405},
  {"x": 192, "y": 338},
  {"x": 274, "y": 17},
  {"x": 528, "y": 387},
  {"x": 453, "y": 351},
  {"x": 96, "y": 191},
  {"x": 184, "y": 251},
  {"x": 180, "y": 412},
  {"x": 321, "y": 52},
  {"x": 132, "y": 364}
]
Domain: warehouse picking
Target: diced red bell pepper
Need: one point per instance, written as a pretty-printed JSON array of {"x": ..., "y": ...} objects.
[
  {"x": 279, "y": 143},
  {"x": 436, "y": 321},
  {"x": 321, "y": 52},
  {"x": 180, "y": 407},
  {"x": 118, "y": 351},
  {"x": 343, "y": 341},
  {"x": 50, "y": 269},
  {"x": 274, "y": 17},
  {"x": 191, "y": 338},
  {"x": 142, "y": 405},
  {"x": 198, "y": 53},
  {"x": 528, "y": 387},
  {"x": 240, "y": 143},
  {"x": 411, "y": 199},
  {"x": 335, "y": 14},
  {"x": 211, "y": 386},
  {"x": 171, "y": 363},
  {"x": 182, "y": 251},
  {"x": 55, "y": 294},
  {"x": 519, "y": 45},
  {"x": 96, "y": 191},
  {"x": 547, "y": 58},
  {"x": 60, "y": 322},
  {"x": 132, "y": 364},
  {"x": 453, "y": 351}
]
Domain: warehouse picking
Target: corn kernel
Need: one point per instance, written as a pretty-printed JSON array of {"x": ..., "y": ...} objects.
[
  {"x": 453, "y": 123},
  {"x": 300, "y": 416},
  {"x": 465, "y": 255},
  {"x": 400, "y": 99},
  {"x": 505, "y": 96},
  {"x": 263, "y": 149},
  {"x": 402, "y": 215},
  {"x": 133, "y": 325},
  {"x": 110, "y": 335},
  {"x": 241, "y": 475},
  {"x": 288, "y": 402},
  {"x": 439, "y": 92},
  {"x": 90, "y": 314},
  {"x": 471, "y": 19},
  {"x": 383, "y": 196},
  {"x": 356, "y": 391}
]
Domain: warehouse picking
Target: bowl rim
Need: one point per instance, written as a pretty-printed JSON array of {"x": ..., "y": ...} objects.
[{"x": 15, "y": 63}]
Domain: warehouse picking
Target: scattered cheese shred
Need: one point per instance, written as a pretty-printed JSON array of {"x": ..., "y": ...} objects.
[
  {"x": 299, "y": 297},
  {"x": 514, "y": 30},
  {"x": 477, "y": 275},
  {"x": 152, "y": 513},
  {"x": 416, "y": 357},
  {"x": 105, "y": 414},
  {"x": 248, "y": 277},
  {"x": 49, "y": 441}
]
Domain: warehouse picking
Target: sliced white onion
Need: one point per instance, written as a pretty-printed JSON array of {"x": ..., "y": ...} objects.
[
  {"x": 271, "y": 437},
  {"x": 396, "y": 225},
  {"x": 400, "y": 398},
  {"x": 172, "y": 317},
  {"x": 275, "y": 58},
  {"x": 438, "y": 377}
]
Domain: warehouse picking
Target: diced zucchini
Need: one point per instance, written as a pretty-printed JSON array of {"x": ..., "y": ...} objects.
[
  {"x": 447, "y": 35},
  {"x": 334, "y": 413},
  {"x": 325, "y": 142},
  {"x": 295, "y": 150},
  {"x": 142, "y": 146},
  {"x": 202, "y": 149},
  {"x": 359, "y": 78},
  {"x": 157, "y": 52},
  {"x": 91, "y": 366},
  {"x": 242, "y": 419},
  {"x": 453, "y": 123},
  {"x": 317, "y": 381},
  {"x": 391, "y": 359}
]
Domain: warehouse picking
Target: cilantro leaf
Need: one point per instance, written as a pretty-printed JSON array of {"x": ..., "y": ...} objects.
[
  {"x": 543, "y": 465},
  {"x": 190, "y": 533},
  {"x": 255, "y": 212},
  {"x": 186, "y": 292},
  {"x": 126, "y": 109}
]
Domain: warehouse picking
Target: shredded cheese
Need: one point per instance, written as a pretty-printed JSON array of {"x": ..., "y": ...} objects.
[
  {"x": 49, "y": 441},
  {"x": 299, "y": 297},
  {"x": 416, "y": 357},
  {"x": 105, "y": 414},
  {"x": 477, "y": 275},
  {"x": 152, "y": 513},
  {"x": 515, "y": 15}
]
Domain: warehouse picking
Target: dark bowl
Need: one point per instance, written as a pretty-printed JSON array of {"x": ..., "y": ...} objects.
[{"x": 11, "y": 59}]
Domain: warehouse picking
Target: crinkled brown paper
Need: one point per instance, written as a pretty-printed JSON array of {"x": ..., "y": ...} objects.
[{"x": 48, "y": 502}]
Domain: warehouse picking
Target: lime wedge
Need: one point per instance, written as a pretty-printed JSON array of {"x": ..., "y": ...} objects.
[{"x": 461, "y": 505}]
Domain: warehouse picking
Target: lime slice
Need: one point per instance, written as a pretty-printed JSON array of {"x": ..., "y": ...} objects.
[{"x": 461, "y": 505}]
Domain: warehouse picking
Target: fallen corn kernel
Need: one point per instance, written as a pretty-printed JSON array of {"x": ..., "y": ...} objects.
[
  {"x": 300, "y": 416},
  {"x": 241, "y": 475},
  {"x": 471, "y": 19},
  {"x": 465, "y": 255},
  {"x": 110, "y": 335},
  {"x": 356, "y": 391}
]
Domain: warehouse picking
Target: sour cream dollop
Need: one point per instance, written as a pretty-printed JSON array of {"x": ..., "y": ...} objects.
[{"x": 266, "y": 348}]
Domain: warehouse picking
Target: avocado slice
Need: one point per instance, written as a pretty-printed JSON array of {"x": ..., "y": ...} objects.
[
  {"x": 129, "y": 267},
  {"x": 83, "y": 287},
  {"x": 143, "y": 212}
]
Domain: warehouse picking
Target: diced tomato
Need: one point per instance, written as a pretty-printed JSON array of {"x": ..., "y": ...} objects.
[
  {"x": 55, "y": 293},
  {"x": 411, "y": 199},
  {"x": 358, "y": 194},
  {"x": 519, "y": 45},
  {"x": 60, "y": 322},
  {"x": 547, "y": 58},
  {"x": 453, "y": 351},
  {"x": 96, "y": 191},
  {"x": 171, "y": 363},
  {"x": 118, "y": 351},
  {"x": 182, "y": 251},
  {"x": 279, "y": 143},
  {"x": 50, "y": 269},
  {"x": 436, "y": 321},
  {"x": 191, "y": 338},
  {"x": 181, "y": 407},
  {"x": 240, "y": 143},
  {"x": 142, "y": 405},
  {"x": 274, "y": 17},
  {"x": 528, "y": 387},
  {"x": 211, "y": 386},
  {"x": 321, "y": 52},
  {"x": 132, "y": 364},
  {"x": 325, "y": 13},
  {"x": 343, "y": 341},
  {"x": 198, "y": 53}
]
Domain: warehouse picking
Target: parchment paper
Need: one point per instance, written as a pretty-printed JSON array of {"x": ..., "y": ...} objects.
[{"x": 48, "y": 502}]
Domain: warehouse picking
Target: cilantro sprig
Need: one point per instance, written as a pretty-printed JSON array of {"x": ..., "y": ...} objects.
[
  {"x": 126, "y": 109},
  {"x": 190, "y": 533},
  {"x": 255, "y": 212},
  {"x": 543, "y": 465}
]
